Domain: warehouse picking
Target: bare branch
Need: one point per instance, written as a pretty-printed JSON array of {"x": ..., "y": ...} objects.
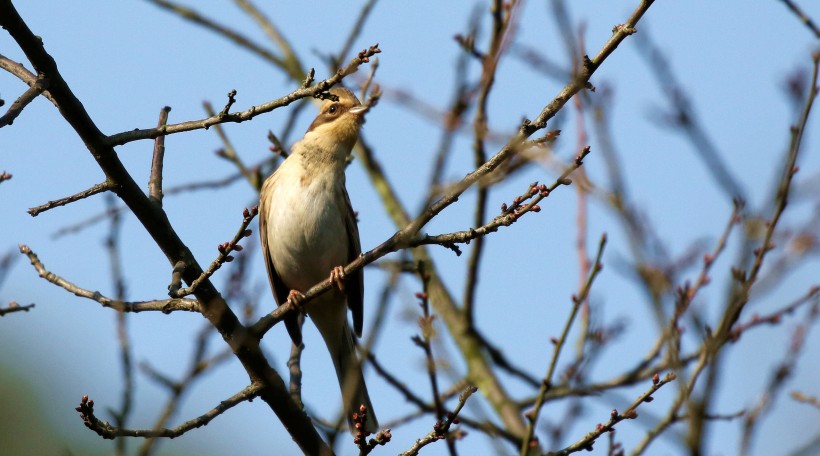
[
  {"x": 106, "y": 431},
  {"x": 99, "y": 188},
  {"x": 804, "y": 18},
  {"x": 546, "y": 382},
  {"x": 442, "y": 427},
  {"x": 39, "y": 86},
  {"x": 242, "y": 116},
  {"x": 585, "y": 444},
  {"x": 164, "y": 306},
  {"x": 155, "y": 181},
  {"x": 225, "y": 251},
  {"x": 14, "y": 307}
]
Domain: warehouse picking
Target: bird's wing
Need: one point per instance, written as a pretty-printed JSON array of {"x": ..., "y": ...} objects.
[
  {"x": 280, "y": 291},
  {"x": 355, "y": 282}
]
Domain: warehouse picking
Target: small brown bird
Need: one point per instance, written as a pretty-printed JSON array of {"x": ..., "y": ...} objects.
[{"x": 309, "y": 231}]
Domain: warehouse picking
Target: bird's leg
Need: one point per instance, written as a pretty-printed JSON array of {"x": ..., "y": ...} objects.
[
  {"x": 295, "y": 297},
  {"x": 337, "y": 277}
]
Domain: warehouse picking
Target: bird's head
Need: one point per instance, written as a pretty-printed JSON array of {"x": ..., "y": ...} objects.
[{"x": 338, "y": 122}]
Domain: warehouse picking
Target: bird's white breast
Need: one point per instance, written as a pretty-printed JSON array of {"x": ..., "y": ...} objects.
[{"x": 306, "y": 229}]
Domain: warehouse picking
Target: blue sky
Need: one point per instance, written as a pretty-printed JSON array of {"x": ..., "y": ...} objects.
[{"x": 125, "y": 60}]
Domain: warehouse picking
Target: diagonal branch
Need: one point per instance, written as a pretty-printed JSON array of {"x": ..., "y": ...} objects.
[
  {"x": 99, "y": 188},
  {"x": 156, "y": 223},
  {"x": 39, "y": 86}
]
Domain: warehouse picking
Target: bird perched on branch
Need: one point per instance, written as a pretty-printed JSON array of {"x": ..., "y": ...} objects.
[{"x": 309, "y": 232}]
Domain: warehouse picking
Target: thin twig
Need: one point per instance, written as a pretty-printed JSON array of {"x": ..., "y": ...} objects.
[
  {"x": 107, "y": 431},
  {"x": 39, "y": 86},
  {"x": 14, "y": 307},
  {"x": 99, "y": 188},
  {"x": 585, "y": 444},
  {"x": 441, "y": 428},
  {"x": 164, "y": 306},
  {"x": 126, "y": 353},
  {"x": 522, "y": 204},
  {"x": 155, "y": 181},
  {"x": 804, "y": 18},
  {"x": 224, "y": 256},
  {"x": 242, "y": 116},
  {"x": 546, "y": 382}
]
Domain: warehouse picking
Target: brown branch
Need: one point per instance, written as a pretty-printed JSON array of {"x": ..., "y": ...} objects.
[
  {"x": 224, "y": 256},
  {"x": 14, "y": 307},
  {"x": 529, "y": 440},
  {"x": 425, "y": 323},
  {"x": 155, "y": 181},
  {"x": 740, "y": 296},
  {"x": 585, "y": 444},
  {"x": 522, "y": 204},
  {"x": 107, "y": 431},
  {"x": 806, "y": 399},
  {"x": 804, "y": 18},
  {"x": 39, "y": 86},
  {"x": 99, "y": 188},
  {"x": 23, "y": 74},
  {"x": 442, "y": 427},
  {"x": 242, "y": 116},
  {"x": 164, "y": 306}
]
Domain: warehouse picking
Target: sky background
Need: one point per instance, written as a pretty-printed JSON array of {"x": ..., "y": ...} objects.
[{"x": 126, "y": 60}]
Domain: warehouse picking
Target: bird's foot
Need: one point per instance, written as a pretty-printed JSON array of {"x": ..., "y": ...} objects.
[
  {"x": 337, "y": 277},
  {"x": 295, "y": 297}
]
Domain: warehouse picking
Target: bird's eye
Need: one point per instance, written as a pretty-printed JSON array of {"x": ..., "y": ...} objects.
[{"x": 332, "y": 109}]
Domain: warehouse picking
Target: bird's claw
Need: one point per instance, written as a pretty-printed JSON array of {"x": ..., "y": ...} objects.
[
  {"x": 337, "y": 277},
  {"x": 295, "y": 298}
]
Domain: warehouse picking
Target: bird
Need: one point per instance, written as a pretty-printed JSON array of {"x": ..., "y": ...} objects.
[{"x": 308, "y": 233}]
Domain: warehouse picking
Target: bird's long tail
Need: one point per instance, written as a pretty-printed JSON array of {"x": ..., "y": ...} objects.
[{"x": 351, "y": 381}]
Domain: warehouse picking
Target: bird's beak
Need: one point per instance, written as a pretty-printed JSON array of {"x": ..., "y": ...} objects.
[{"x": 359, "y": 110}]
